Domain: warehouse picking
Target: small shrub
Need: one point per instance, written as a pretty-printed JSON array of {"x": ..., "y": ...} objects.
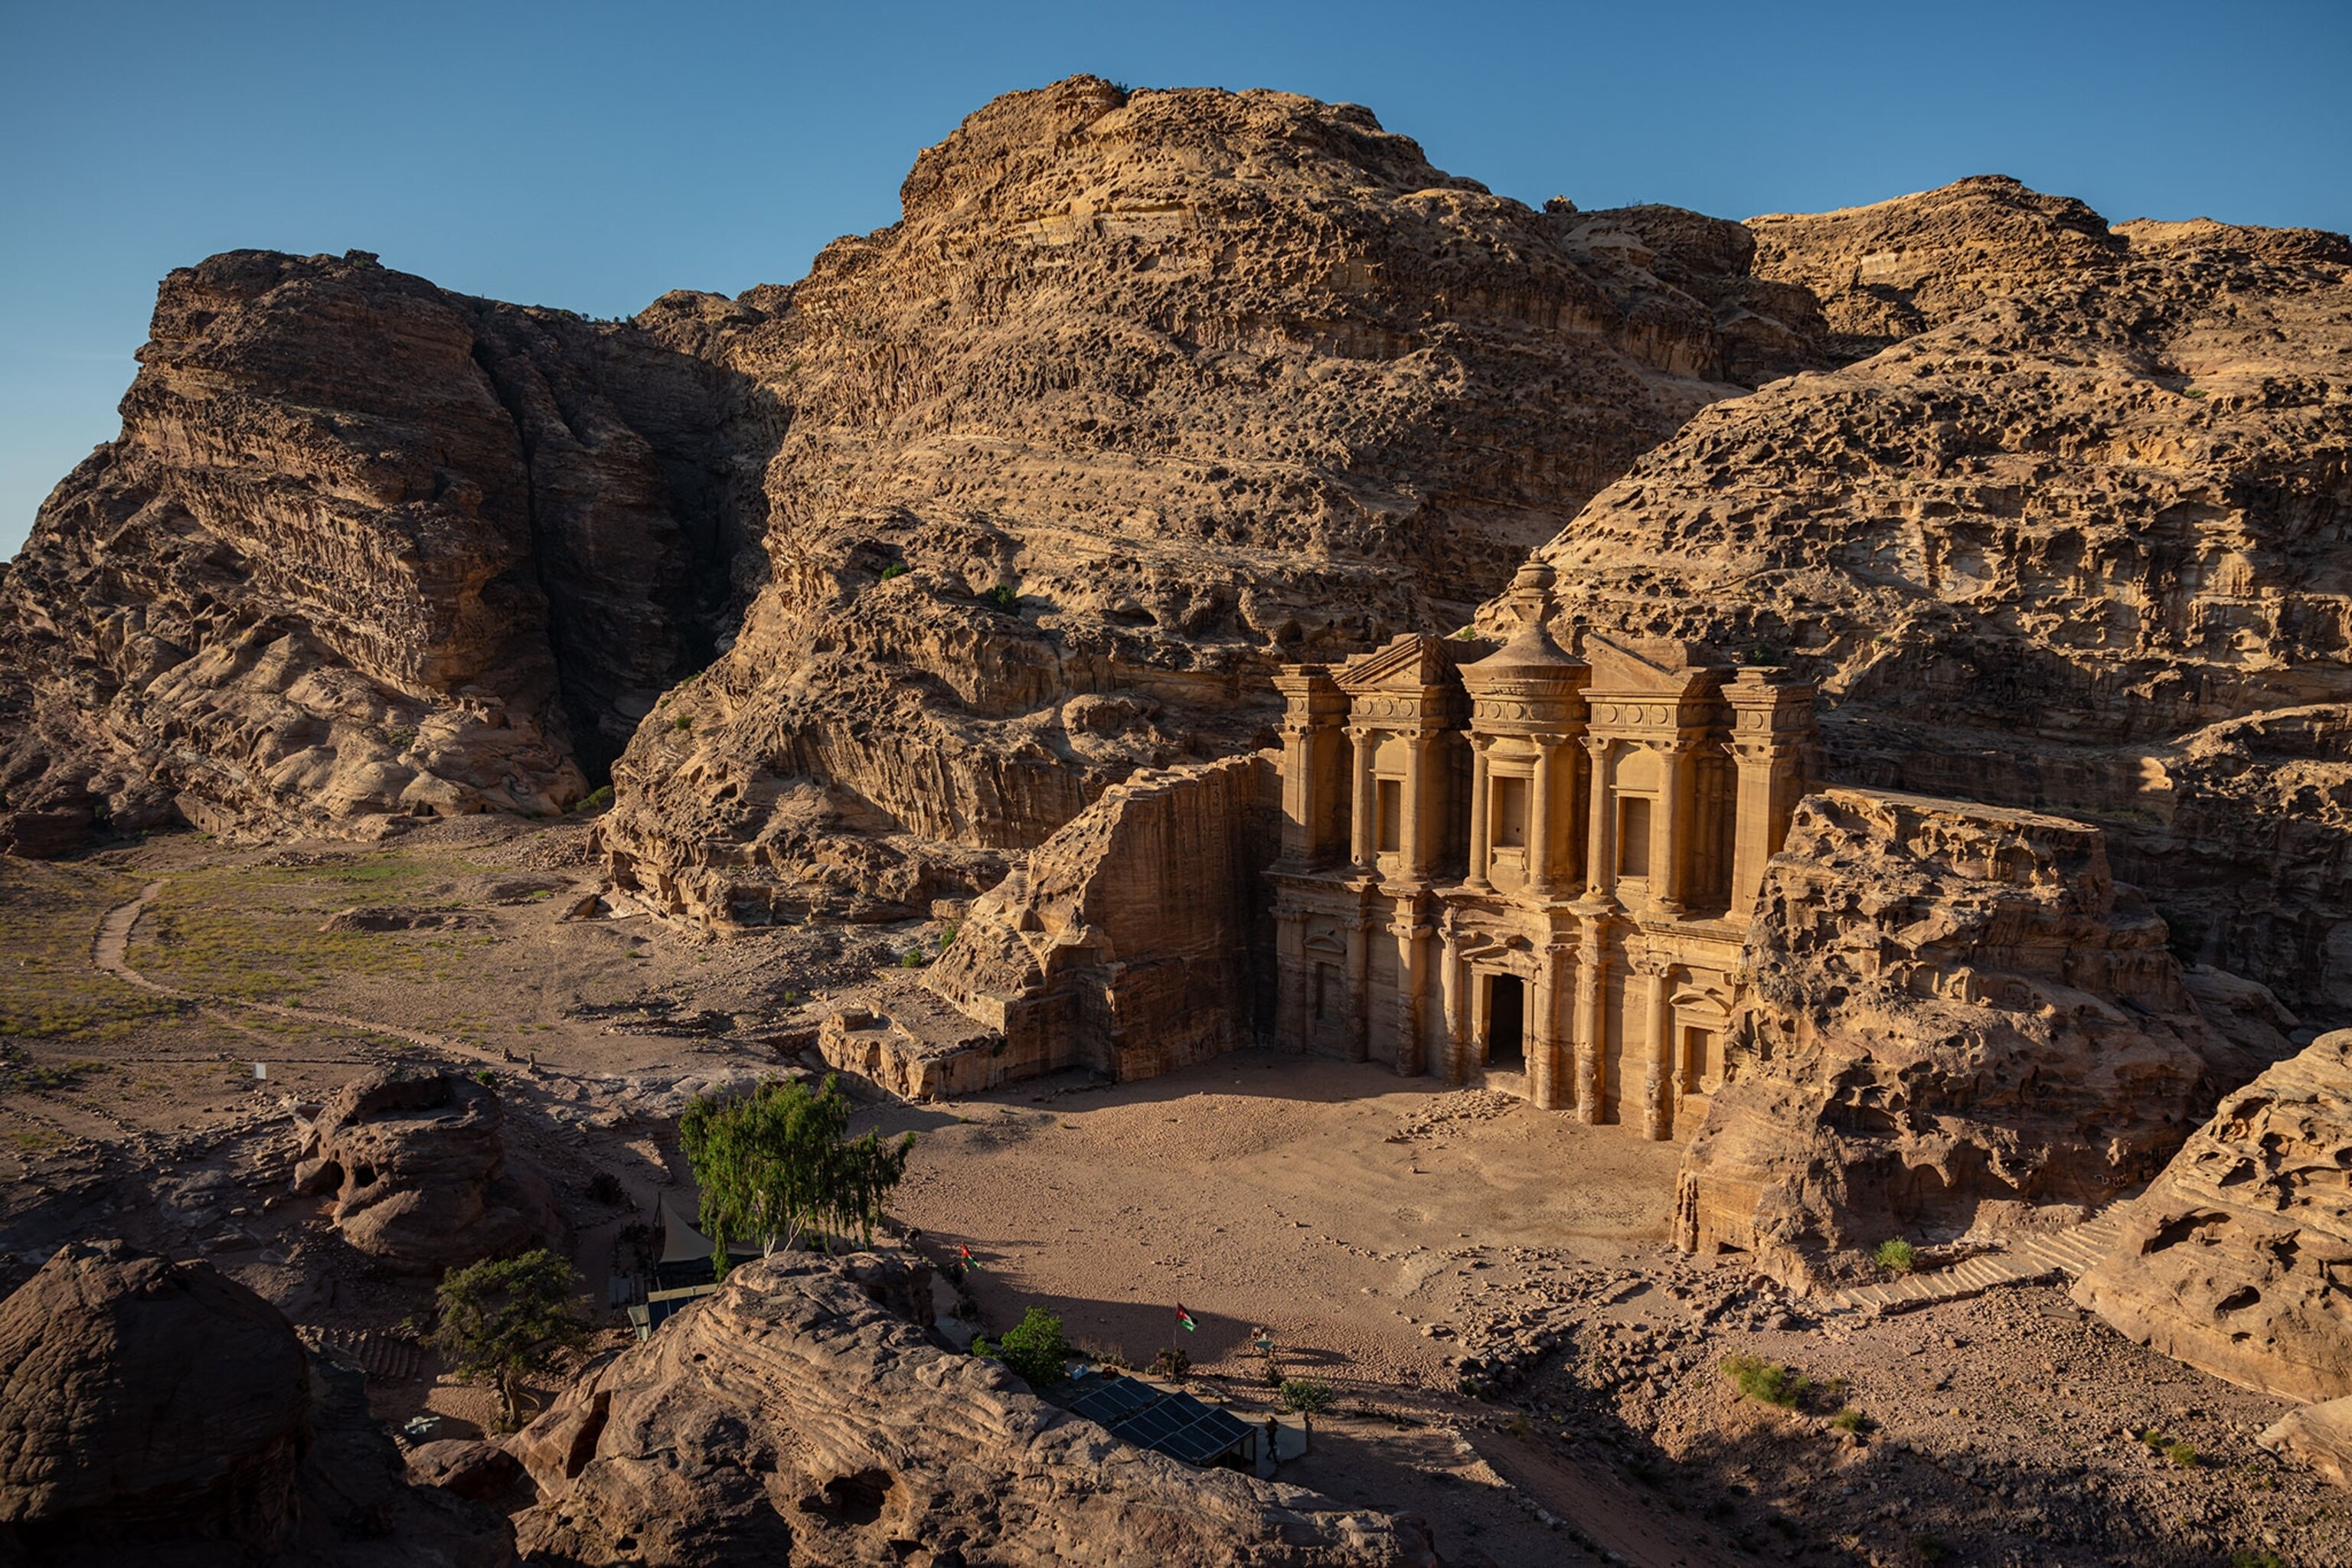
[
  {"x": 896, "y": 569},
  {"x": 1306, "y": 1398},
  {"x": 596, "y": 799},
  {"x": 683, "y": 721},
  {"x": 1108, "y": 1357},
  {"x": 1034, "y": 1349},
  {"x": 1930, "y": 1549},
  {"x": 1766, "y": 1380},
  {"x": 912, "y": 958},
  {"x": 2244, "y": 1559},
  {"x": 1854, "y": 1421},
  {"x": 1003, "y": 597},
  {"x": 486, "y": 1077},
  {"x": 2182, "y": 1455},
  {"x": 1519, "y": 1426},
  {"x": 1897, "y": 1257},
  {"x": 947, "y": 937}
]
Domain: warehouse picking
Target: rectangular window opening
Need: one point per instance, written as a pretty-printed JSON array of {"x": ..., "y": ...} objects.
[
  {"x": 1509, "y": 814},
  {"x": 1391, "y": 816},
  {"x": 1633, "y": 836}
]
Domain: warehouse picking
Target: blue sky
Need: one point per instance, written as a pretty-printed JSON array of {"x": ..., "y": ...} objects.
[{"x": 593, "y": 155}]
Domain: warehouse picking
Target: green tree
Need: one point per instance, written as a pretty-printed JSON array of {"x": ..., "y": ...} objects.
[
  {"x": 1306, "y": 1398},
  {"x": 778, "y": 1163},
  {"x": 503, "y": 1319},
  {"x": 1034, "y": 1349}
]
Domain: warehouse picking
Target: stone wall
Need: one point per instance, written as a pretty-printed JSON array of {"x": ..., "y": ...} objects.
[
  {"x": 1953, "y": 1017},
  {"x": 1136, "y": 939}
]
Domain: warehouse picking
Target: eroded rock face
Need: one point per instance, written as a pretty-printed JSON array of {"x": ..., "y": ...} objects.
[
  {"x": 419, "y": 1174},
  {"x": 1143, "y": 394},
  {"x": 1135, "y": 941},
  {"x": 158, "y": 1412},
  {"x": 791, "y": 1419},
  {"x": 2238, "y": 1259},
  {"x": 363, "y": 550},
  {"x": 2070, "y": 539},
  {"x": 144, "y": 1397},
  {"x": 1954, "y": 1017}
]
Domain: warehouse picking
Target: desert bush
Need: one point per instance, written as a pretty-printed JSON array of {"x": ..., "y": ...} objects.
[
  {"x": 1897, "y": 1257},
  {"x": 1767, "y": 1381},
  {"x": 1930, "y": 1549},
  {"x": 896, "y": 569},
  {"x": 596, "y": 799},
  {"x": 1003, "y": 597},
  {"x": 1854, "y": 1421},
  {"x": 1171, "y": 1363},
  {"x": 912, "y": 958},
  {"x": 1306, "y": 1398},
  {"x": 1034, "y": 1349},
  {"x": 2181, "y": 1455}
]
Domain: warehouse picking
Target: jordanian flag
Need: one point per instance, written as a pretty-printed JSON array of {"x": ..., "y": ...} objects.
[
  {"x": 1184, "y": 1319},
  {"x": 966, "y": 1250}
]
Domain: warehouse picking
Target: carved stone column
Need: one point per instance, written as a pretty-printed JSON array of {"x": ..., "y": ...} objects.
[
  {"x": 1667, "y": 842},
  {"x": 1658, "y": 1089},
  {"x": 1455, "y": 989},
  {"x": 1543, "y": 799},
  {"x": 1544, "y": 1076},
  {"x": 1481, "y": 786},
  {"x": 1600, "y": 854},
  {"x": 1413, "y": 935},
  {"x": 1415, "y": 845},
  {"x": 1591, "y": 1022},
  {"x": 1364, "y": 831},
  {"x": 1360, "y": 987}
]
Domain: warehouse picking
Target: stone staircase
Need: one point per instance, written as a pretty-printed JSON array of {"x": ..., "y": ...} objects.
[{"x": 2022, "y": 1261}]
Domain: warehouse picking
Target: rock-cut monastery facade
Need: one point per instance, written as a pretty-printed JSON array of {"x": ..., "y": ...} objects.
[{"x": 1532, "y": 868}]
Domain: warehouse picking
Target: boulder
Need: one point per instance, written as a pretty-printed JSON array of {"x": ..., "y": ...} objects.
[
  {"x": 2320, "y": 1436},
  {"x": 145, "y": 1397},
  {"x": 1954, "y": 1018},
  {"x": 468, "y": 1467},
  {"x": 790, "y": 1417},
  {"x": 2238, "y": 1258},
  {"x": 418, "y": 1173},
  {"x": 160, "y": 1414}
]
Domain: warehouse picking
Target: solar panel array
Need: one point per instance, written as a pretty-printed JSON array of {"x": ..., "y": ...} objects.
[
  {"x": 1113, "y": 1399},
  {"x": 1176, "y": 1424}
]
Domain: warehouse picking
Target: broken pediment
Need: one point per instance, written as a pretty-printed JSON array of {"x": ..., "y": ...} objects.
[
  {"x": 1411, "y": 663},
  {"x": 1661, "y": 667}
]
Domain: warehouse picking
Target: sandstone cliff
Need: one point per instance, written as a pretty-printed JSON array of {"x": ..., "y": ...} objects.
[
  {"x": 1954, "y": 1017},
  {"x": 2072, "y": 537},
  {"x": 1144, "y": 393},
  {"x": 791, "y": 1419},
  {"x": 2238, "y": 1259},
  {"x": 364, "y": 549}
]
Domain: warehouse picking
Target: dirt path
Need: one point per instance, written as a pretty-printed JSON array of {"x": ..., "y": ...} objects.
[{"x": 110, "y": 951}]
